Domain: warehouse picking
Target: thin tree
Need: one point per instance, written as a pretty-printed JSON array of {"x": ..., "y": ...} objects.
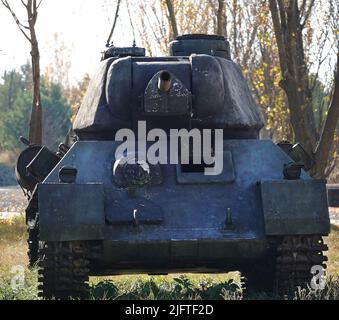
[
  {"x": 116, "y": 15},
  {"x": 29, "y": 32},
  {"x": 289, "y": 21},
  {"x": 221, "y": 19},
  {"x": 325, "y": 143},
  {"x": 172, "y": 18}
]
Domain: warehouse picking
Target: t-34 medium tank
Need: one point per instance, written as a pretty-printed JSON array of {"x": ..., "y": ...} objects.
[{"x": 92, "y": 212}]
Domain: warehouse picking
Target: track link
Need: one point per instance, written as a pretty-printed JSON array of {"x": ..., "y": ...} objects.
[
  {"x": 287, "y": 265},
  {"x": 296, "y": 255},
  {"x": 33, "y": 246},
  {"x": 64, "y": 270}
]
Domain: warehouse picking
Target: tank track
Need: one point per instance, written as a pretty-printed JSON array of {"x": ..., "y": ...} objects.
[
  {"x": 296, "y": 255},
  {"x": 65, "y": 266},
  {"x": 64, "y": 269},
  {"x": 33, "y": 246},
  {"x": 287, "y": 265}
]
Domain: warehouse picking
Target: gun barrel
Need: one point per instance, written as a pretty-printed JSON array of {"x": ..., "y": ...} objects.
[{"x": 165, "y": 81}]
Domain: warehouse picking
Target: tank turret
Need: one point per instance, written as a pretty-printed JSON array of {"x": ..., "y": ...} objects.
[{"x": 207, "y": 90}]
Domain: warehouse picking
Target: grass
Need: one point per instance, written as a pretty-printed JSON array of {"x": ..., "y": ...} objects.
[
  {"x": 141, "y": 287},
  {"x": 13, "y": 253},
  {"x": 8, "y": 157}
]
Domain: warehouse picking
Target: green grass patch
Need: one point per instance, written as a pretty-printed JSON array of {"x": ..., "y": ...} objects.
[{"x": 182, "y": 287}]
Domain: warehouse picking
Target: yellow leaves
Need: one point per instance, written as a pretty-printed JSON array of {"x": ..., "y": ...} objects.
[
  {"x": 265, "y": 79},
  {"x": 76, "y": 94},
  {"x": 265, "y": 39},
  {"x": 10, "y": 218},
  {"x": 259, "y": 72},
  {"x": 276, "y": 69},
  {"x": 4, "y": 222},
  {"x": 327, "y": 99},
  {"x": 263, "y": 100}
]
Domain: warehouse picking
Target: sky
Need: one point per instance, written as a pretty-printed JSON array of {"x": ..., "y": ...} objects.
[{"x": 83, "y": 26}]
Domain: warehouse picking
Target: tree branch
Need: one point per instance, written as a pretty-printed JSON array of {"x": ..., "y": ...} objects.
[
  {"x": 303, "y": 5},
  {"x": 279, "y": 36},
  {"x": 307, "y": 13},
  {"x": 20, "y": 26},
  {"x": 114, "y": 23},
  {"x": 250, "y": 44},
  {"x": 24, "y": 3},
  {"x": 173, "y": 20},
  {"x": 150, "y": 24}
]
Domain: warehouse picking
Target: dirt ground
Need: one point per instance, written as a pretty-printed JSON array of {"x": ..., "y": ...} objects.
[{"x": 12, "y": 202}]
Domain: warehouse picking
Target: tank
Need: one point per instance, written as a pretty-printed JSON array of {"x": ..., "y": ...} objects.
[{"x": 97, "y": 209}]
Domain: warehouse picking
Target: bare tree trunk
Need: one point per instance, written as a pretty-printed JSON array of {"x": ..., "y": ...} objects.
[
  {"x": 295, "y": 82},
  {"x": 324, "y": 146},
  {"x": 10, "y": 91},
  {"x": 288, "y": 28},
  {"x": 31, "y": 6},
  {"x": 35, "y": 126},
  {"x": 172, "y": 18},
  {"x": 221, "y": 19}
]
